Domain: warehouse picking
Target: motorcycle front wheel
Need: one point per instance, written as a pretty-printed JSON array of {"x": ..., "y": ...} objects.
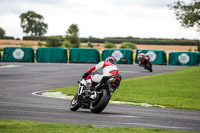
[
  {"x": 102, "y": 101},
  {"x": 74, "y": 103}
]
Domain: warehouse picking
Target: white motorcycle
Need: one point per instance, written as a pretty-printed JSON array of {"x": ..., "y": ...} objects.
[{"x": 96, "y": 100}]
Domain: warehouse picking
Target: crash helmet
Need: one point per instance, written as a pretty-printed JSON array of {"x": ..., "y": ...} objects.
[
  {"x": 140, "y": 52},
  {"x": 111, "y": 59}
]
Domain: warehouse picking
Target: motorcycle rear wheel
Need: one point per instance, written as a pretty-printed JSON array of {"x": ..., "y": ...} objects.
[
  {"x": 74, "y": 103},
  {"x": 148, "y": 66},
  {"x": 101, "y": 103}
]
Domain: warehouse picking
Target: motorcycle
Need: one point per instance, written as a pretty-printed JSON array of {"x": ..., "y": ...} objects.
[
  {"x": 146, "y": 63},
  {"x": 96, "y": 100}
]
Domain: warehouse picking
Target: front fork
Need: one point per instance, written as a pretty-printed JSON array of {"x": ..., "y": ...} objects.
[{"x": 82, "y": 86}]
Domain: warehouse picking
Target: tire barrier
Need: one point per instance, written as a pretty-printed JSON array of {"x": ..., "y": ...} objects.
[
  {"x": 51, "y": 55},
  {"x": 156, "y": 56},
  {"x": 122, "y": 56},
  {"x": 184, "y": 58},
  {"x": 84, "y": 55},
  {"x": 18, "y": 54}
]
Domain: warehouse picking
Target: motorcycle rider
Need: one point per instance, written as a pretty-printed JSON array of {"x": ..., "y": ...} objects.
[
  {"x": 108, "y": 67},
  {"x": 141, "y": 57}
]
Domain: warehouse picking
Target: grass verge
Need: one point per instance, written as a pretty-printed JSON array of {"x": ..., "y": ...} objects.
[
  {"x": 179, "y": 89},
  {"x": 15, "y": 126}
]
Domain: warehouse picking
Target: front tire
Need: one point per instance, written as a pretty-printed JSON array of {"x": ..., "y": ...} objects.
[
  {"x": 74, "y": 103},
  {"x": 101, "y": 103}
]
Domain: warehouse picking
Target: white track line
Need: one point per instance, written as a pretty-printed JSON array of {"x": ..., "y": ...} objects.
[{"x": 36, "y": 93}]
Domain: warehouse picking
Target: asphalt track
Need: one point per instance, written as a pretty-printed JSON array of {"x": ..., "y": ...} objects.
[{"x": 18, "y": 82}]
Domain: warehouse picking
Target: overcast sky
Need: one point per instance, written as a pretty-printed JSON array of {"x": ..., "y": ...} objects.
[{"x": 98, "y": 18}]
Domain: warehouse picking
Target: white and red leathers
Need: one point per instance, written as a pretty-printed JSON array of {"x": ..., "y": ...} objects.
[
  {"x": 141, "y": 57},
  {"x": 108, "y": 69}
]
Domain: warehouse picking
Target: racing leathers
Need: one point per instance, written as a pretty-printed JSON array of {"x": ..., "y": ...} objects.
[
  {"x": 140, "y": 58},
  {"x": 108, "y": 69}
]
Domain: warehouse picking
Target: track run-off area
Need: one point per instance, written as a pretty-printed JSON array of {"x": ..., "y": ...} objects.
[{"x": 19, "y": 80}]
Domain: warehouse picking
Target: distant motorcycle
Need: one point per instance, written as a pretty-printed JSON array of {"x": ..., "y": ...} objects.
[
  {"x": 146, "y": 63},
  {"x": 97, "y": 100}
]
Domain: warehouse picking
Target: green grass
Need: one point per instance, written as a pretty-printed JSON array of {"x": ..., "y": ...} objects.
[
  {"x": 179, "y": 89},
  {"x": 70, "y": 91},
  {"x": 13, "y": 126}
]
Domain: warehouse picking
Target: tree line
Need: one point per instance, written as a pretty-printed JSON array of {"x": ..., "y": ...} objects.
[
  {"x": 119, "y": 40},
  {"x": 150, "y": 41}
]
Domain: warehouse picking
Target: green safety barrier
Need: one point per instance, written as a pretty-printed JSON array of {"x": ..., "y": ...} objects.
[
  {"x": 122, "y": 56},
  {"x": 184, "y": 58},
  {"x": 51, "y": 55},
  {"x": 18, "y": 54},
  {"x": 156, "y": 56},
  {"x": 84, "y": 55}
]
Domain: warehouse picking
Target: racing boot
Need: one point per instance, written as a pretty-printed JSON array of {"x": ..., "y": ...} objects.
[
  {"x": 93, "y": 96},
  {"x": 140, "y": 64},
  {"x": 93, "y": 93}
]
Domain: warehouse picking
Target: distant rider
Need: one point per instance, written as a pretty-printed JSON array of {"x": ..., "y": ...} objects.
[
  {"x": 108, "y": 67},
  {"x": 141, "y": 57}
]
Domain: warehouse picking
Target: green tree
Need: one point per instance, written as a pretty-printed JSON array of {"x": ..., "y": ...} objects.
[
  {"x": 73, "y": 30},
  {"x": 73, "y": 35},
  {"x": 90, "y": 44},
  {"x": 2, "y": 33},
  {"x": 128, "y": 45},
  {"x": 32, "y": 23},
  {"x": 54, "y": 41},
  {"x": 67, "y": 44},
  {"x": 187, "y": 14},
  {"x": 109, "y": 45},
  {"x": 40, "y": 44}
]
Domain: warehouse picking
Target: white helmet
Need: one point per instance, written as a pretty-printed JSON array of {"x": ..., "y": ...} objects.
[
  {"x": 140, "y": 52},
  {"x": 111, "y": 59}
]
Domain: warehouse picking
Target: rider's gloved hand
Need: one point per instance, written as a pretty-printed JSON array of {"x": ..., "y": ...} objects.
[{"x": 85, "y": 75}]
